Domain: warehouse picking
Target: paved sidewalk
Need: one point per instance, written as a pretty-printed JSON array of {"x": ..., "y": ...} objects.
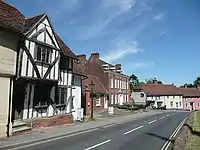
[{"x": 49, "y": 133}]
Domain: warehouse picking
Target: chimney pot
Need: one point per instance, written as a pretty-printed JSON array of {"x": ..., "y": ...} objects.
[{"x": 94, "y": 55}]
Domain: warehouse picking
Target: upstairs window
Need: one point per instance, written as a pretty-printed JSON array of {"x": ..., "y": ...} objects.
[
  {"x": 64, "y": 63},
  {"x": 43, "y": 53}
]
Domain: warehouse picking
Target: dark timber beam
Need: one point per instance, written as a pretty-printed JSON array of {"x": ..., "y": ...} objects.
[
  {"x": 50, "y": 67},
  {"x": 32, "y": 60}
]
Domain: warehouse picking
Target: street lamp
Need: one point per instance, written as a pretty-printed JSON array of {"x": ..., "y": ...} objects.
[{"x": 91, "y": 96}]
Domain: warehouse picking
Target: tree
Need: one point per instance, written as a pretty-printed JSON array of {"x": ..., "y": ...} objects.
[
  {"x": 134, "y": 81},
  {"x": 153, "y": 81},
  {"x": 188, "y": 85},
  {"x": 197, "y": 81}
]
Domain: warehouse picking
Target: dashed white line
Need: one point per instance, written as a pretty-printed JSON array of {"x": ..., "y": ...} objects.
[
  {"x": 162, "y": 118},
  {"x": 50, "y": 140},
  {"x": 99, "y": 144},
  {"x": 152, "y": 121},
  {"x": 133, "y": 130}
]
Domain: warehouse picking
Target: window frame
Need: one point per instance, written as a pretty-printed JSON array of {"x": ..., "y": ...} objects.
[
  {"x": 98, "y": 99},
  {"x": 43, "y": 50}
]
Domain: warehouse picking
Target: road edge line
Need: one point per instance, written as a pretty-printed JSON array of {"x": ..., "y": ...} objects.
[{"x": 173, "y": 135}]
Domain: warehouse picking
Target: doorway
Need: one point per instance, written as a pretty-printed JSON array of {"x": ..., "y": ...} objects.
[{"x": 192, "y": 106}]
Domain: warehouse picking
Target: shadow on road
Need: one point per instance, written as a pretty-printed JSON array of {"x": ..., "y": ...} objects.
[{"x": 160, "y": 137}]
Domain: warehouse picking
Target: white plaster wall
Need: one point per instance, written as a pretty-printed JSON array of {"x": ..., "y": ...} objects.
[
  {"x": 166, "y": 101},
  {"x": 77, "y": 93},
  {"x": 137, "y": 97},
  {"x": 4, "y": 112}
]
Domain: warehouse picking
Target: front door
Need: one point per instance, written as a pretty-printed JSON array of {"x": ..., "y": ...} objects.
[
  {"x": 19, "y": 93},
  {"x": 176, "y": 105},
  {"x": 191, "y": 105}
]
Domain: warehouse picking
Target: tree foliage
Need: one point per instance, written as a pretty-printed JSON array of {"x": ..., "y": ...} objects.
[
  {"x": 134, "y": 81},
  {"x": 153, "y": 81}
]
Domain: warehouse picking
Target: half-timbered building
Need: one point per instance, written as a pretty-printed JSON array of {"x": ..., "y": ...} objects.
[{"x": 43, "y": 78}]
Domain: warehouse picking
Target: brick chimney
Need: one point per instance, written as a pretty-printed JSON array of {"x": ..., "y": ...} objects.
[
  {"x": 82, "y": 58},
  {"x": 94, "y": 56},
  {"x": 118, "y": 68}
]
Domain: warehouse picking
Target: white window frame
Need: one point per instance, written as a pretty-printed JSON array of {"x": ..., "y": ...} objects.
[
  {"x": 98, "y": 100},
  {"x": 111, "y": 83},
  {"x": 112, "y": 97},
  {"x": 115, "y": 83}
]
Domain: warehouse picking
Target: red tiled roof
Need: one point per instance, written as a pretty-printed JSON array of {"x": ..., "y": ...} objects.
[
  {"x": 159, "y": 89},
  {"x": 190, "y": 92},
  {"x": 11, "y": 18},
  {"x": 66, "y": 50},
  {"x": 98, "y": 87},
  {"x": 30, "y": 22},
  {"x": 77, "y": 68},
  {"x": 93, "y": 67}
]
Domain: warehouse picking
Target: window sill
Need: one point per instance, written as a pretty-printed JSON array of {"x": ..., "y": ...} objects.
[
  {"x": 41, "y": 107},
  {"x": 98, "y": 105}
]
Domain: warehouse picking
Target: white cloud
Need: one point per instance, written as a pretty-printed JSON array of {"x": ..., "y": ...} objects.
[
  {"x": 160, "y": 16},
  {"x": 137, "y": 65},
  {"x": 120, "y": 49}
]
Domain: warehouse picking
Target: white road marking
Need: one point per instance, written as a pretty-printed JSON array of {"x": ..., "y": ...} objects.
[
  {"x": 161, "y": 118},
  {"x": 167, "y": 144},
  {"x": 46, "y": 141},
  {"x": 133, "y": 130},
  {"x": 110, "y": 125},
  {"x": 152, "y": 121},
  {"x": 99, "y": 144},
  {"x": 167, "y": 115}
]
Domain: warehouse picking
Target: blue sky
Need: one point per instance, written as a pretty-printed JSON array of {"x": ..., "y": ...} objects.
[{"x": 150, "y": 38}]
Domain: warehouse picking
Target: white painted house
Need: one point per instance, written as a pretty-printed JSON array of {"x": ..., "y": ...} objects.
[{"x": 158, "y": 95}]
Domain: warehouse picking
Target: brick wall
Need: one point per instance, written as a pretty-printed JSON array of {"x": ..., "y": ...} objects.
[
  {"x": 88, "y": 102},
  {"x": 53, "y": 121}
]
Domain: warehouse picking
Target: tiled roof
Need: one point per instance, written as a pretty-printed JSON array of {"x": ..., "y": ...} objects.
[
  {"x": 77, "y": 68},
  {"x": 30, "y": 22},
  {"x": 11, "y": 18},
  {"x": 66, "y": 50},
  {"x": 160, "y": 89},
  {"x": 190, "y": 92},
  {"x": 93, "y": 67},
  {"x": 98, "y": 87}
]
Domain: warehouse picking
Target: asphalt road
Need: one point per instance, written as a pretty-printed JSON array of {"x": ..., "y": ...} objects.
[{"x": 149, "y": 133}]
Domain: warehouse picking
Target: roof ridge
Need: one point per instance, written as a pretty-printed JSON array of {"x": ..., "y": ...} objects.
[{"x": 42, "y": 14}]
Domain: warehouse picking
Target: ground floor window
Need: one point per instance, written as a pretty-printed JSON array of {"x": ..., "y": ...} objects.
[
  {"x": 171, "y": 104},
  {"x": 98, "y": 100},
  {"x": 180, "y": 103},
  {"x": 62, "y": 95}
]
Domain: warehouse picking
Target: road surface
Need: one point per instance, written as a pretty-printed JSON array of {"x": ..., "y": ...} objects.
[{"x": 149, "y": 133}]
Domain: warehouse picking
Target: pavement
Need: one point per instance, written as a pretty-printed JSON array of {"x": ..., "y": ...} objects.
[{"x": 141, "y": 131}]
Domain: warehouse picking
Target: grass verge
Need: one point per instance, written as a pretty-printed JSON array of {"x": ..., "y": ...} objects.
[{"x": 194, "y": 140}]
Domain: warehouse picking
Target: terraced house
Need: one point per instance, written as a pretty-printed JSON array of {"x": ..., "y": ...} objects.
[
  {"x": 39, "y": 75},
  {"x": 158, "y": 95}
]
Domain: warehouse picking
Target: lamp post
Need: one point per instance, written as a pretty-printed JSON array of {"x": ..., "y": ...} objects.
[{"x": 91, "y": 96}]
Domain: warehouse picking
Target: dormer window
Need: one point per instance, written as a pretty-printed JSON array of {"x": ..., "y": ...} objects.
[{"x": 43, "y": 53}]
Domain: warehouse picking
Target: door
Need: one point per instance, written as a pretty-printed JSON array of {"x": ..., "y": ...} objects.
[
  {"x": 176, "y": 105},
  {"x": 105, "y": 102},
  {"x": 191, "y": 106},
  {"x": 19, "y": 93}
]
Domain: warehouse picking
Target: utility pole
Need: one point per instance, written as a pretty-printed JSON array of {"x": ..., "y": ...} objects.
[{"x": 91, "y": 96}]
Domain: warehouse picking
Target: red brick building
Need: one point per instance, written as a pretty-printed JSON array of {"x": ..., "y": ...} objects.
[{"x": 110, "y": 85}]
